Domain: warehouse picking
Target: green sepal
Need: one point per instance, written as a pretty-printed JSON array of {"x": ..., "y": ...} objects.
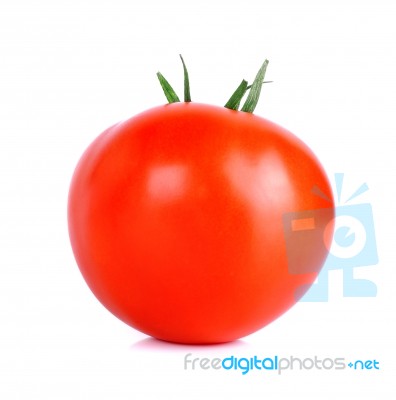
[
  {"x": 187, "y": 95},
  {"x": 235, "y": 100},
  {"x": 170, "y": 94},
  {"x": 254, "y": 94}
]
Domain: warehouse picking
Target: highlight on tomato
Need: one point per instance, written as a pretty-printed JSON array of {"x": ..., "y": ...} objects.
[{"x": 184, "y": 219}]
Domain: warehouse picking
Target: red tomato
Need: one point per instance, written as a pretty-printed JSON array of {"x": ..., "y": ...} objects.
[{"x": 176, "y": 219}]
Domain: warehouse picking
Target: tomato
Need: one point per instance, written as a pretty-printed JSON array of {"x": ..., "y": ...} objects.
[{"x": 177, "y": 221}]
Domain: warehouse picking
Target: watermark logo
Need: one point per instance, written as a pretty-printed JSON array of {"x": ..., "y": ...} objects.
[
  {"x": 276, "y": 363},
  {"x": 353, "y": 243}
]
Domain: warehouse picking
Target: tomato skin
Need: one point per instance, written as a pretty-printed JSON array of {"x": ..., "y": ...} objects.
[{"x": 176, "y": 221}]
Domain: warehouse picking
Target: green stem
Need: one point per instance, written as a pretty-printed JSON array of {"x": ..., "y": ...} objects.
[{"x": 249, "y": 87}]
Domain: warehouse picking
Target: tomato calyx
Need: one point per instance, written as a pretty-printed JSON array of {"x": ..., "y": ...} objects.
[{"x": 234, "y": 101}]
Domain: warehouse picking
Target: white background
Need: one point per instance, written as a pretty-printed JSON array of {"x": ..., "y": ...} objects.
[{"x": 70, "y": 69}]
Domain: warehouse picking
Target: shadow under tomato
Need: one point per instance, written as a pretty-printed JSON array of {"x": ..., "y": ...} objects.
[{"x": 156, "y": 345}]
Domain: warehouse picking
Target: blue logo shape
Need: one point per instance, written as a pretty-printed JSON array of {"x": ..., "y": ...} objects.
[
  {"x": 344, "y": 236},
  {"x": 353, "y": 245}
]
